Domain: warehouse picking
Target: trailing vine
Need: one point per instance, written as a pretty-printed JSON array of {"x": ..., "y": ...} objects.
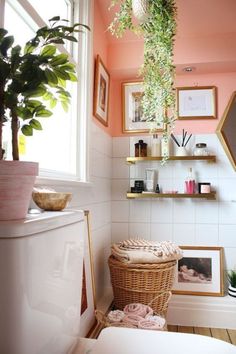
[{"x": 158, "y": 32}]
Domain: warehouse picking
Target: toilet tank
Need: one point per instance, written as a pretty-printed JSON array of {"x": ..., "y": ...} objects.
[{"x": 41, "y": 261}]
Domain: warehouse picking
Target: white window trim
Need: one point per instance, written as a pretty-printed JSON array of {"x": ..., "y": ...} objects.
[
  {"x": 85, "y": 91},
  {"x": 2, "y": 6}
]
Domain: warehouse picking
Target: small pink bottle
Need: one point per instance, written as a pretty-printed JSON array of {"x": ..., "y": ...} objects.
[{"x": 190, "y": 183}]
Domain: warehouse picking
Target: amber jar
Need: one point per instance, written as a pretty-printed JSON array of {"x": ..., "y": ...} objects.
[{"x": 140, "y": 149}]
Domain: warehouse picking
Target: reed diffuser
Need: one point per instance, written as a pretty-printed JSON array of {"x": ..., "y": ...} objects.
[{"x": 181, "y": 149}]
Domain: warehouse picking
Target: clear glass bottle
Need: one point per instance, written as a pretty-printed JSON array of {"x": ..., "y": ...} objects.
[
  {"x": 200, "y": 150},
  {"x": 156, "y": 146}
]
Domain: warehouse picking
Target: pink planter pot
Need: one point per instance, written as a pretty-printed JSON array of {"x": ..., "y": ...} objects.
[{"x": 17, "y": 179}]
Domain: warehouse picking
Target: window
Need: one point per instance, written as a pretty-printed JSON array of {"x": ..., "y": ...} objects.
[{"x": 60, "y": 148}]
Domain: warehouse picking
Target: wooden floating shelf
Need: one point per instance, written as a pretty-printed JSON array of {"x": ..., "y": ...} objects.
[
  {"x": 209, "y": 158},
  {"x": 211, "y": 195}
]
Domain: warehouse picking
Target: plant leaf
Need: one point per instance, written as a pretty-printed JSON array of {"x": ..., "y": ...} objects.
[
  {"x": 61, "y": 74},
  {"x": 40, "y": 91},
  {"x": 24, "y": 113},
  {"x": 68, "y": 67},
  {"x": 48, "y": 51},
  {"x": 35, "y": 124},
  {"x": 43, "y": 113},
  {"x": 59, "y": 59},
  {"x": 53, "y": 103},
  {"x": 5, "y": 44},
  {"x": 65, "y": 106},
  {"x": 3, "y": 32},
  {"x": 56, "y": 41},
  {"x": 55, "y": 18},
  {"x": 27, "y": 130},
  {"x": 4, "y": 70},
  {"x": 51, "y": 76},
  {"x": 73, "y": 77},
  {"x": 71, "y": 38}
]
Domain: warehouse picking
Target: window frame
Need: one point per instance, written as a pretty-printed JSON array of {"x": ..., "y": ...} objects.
[{"x": 82, "y": 54}]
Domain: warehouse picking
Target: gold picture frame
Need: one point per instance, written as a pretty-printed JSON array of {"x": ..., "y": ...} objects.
[
  {"x": 196, "y": 102},
  {"x": 88, "y": 299},
  {"x": 133, "y": 120},
  {"x": 101, "y": 92},
  {"x": 226, "y": 130},
  {"x": 200, "y": 272}
]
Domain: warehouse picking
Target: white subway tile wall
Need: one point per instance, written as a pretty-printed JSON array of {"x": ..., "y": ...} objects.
[
  {"x": 139, "y": 230},
  {"x": 96, "y": 197},
  {"x": 185, "y": 221}
]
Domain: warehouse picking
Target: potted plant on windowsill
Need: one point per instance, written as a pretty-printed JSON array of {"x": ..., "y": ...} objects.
[
  {"x": 32, "y": 81},
  {"x": 232, "y": 283}
]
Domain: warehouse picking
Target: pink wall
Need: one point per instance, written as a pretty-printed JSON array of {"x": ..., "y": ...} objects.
[
  {"x": 225, "y": 83},
  {"x": 100, "y": 47},
  {"x": 213, "y": 54},
  {"x": 217, "y": 50}
]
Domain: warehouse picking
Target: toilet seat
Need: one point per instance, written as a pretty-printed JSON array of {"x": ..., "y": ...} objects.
[{"x": 115, "y": 340}]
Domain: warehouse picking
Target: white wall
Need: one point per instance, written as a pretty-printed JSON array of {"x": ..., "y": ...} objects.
[
  {"x": 184, "y": 221},
  {"x": 96, "y": 197}
]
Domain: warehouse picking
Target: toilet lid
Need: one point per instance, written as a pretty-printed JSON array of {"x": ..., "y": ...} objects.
[{"x": 115, "y": 340}]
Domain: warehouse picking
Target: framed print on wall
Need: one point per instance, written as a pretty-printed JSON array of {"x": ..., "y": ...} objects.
[
  {"x": 133, "y": 119},
  {"x": 101, "y": 92},
  {"x": 196, "y": 102},
  {"x": 200, "y": 272}
]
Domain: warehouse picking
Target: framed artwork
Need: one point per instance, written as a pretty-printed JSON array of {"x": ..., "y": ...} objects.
[
  {"x": 200, "y": 272},
  {"x": 88, "y": 299},
  {"x": 226, "y": 130},
  {"x": 196, "y": 102},
  {"x": 101, "y": 92},
  {"x": 133, "y": 119}
]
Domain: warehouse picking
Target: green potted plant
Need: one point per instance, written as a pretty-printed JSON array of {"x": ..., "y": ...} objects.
[
  {"x": 157, "y": 25},
  {"x": 32, "y": 81},
  {"x": 232, "y": 283}
]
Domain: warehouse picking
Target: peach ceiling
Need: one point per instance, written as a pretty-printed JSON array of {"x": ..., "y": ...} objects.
[
  {"x": 206, "y": 36},
  {"x": 195, "y": 17}
]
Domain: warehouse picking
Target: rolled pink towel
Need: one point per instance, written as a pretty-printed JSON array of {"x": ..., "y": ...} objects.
[
  {"x": 160, "y": 321},
  {"x": 115, "y": 316},
  {"x": 132, "y": 319},
  {"x": 138, "y": 309},
  {"x": 147, "y": 324}
]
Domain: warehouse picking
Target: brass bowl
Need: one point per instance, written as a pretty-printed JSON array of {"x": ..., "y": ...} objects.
[{"x": 51, "y": 201}]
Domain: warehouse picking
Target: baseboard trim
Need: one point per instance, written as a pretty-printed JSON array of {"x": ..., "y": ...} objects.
[{"x": 202, "y": 311}]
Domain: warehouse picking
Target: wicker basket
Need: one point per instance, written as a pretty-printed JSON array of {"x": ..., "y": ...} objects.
[{"x": 148, "y": 284}]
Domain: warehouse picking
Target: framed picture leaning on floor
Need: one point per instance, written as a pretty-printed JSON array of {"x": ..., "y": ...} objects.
[{"x": 200, "y": 272}]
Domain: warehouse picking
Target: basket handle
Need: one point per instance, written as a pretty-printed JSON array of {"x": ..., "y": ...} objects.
[
  {"x": 159, "y": 295},
  {"x": 101, "y": 318}
]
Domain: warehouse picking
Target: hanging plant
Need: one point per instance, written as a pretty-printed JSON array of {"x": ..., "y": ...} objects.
[{"x": 157, "y": 27}]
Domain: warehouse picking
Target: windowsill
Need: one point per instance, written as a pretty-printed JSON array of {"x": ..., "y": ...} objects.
[{"x": 43, "y": 181}]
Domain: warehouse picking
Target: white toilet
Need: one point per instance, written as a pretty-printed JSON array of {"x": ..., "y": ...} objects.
[
  {"x": 40, "y": 296},
  {"x": 40, "y": 283}
]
